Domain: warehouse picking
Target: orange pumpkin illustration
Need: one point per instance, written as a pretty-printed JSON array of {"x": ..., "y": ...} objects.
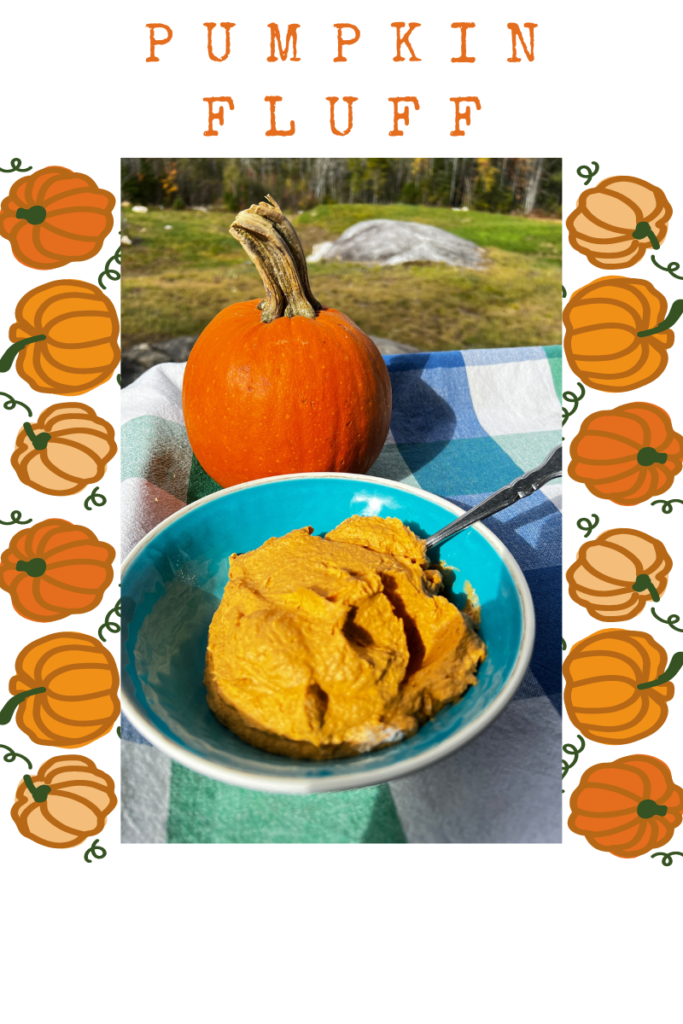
[
  {"x": 628, "y": 807},
  {"x": 65, "y": 802},
  {"x": 609, "y": 568},
  {"x": 627, "y": 454},
  {"x": 66, "y": 449},
  {"x": 64, "y": 338},
  {"x": 54, "y": 217},
  {"x": 603, "y": 321},
  {"x": 617, "y": 685},
  {"x": 605, "y": 224},
  {"x": 55, "y": 569},
  {"x": 80, "y": 680}
]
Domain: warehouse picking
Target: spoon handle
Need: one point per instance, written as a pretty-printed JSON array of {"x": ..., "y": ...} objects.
[{"x": 522, "y": 487}]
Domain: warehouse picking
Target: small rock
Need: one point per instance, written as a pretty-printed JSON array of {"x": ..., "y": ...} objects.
[
  {"x": 138, "y": 209},
  {"x": 168, "y": 227},
  {"x": 125, "y": 240}
]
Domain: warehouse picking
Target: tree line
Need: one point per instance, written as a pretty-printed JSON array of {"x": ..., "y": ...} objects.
[{"x": 500, "y": 185}]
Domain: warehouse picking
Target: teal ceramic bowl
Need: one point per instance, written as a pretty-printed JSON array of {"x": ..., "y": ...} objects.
[{"x": 173, "y": 582}]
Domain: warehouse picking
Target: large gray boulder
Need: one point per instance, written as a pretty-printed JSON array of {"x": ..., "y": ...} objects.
[{"x": 389, "y": 242}]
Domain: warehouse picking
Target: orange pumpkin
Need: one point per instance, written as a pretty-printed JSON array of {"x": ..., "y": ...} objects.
[
  {"x": 79, "y": 799},
  {"x": 609, "y": 694},
  {"x": 607, "y": 568},
  {"x": 74, "y": 454},
  {"x": 283, "y": 385},
  {"x": 602, "y": 322},
  {"x": 603, "y": 224},
  {"x": 627, "y": 454},
  {"x": 56, "y": 216},
  {"x": 81, "y": 681},
  {"x": 55, "y": 569},
  {"x": 628, "y": 807},
  {"x": 76, "y": 328}
]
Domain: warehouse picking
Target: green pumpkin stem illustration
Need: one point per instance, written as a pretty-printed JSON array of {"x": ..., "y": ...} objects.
[
  {"x": 14, "y": 350},
  {"x": 13, "y": 703},
  {"x": 674, "y": 666},
  {"x": 648, "y": 809},
  {"x": 35, "y": 567},
  {"x": 39, "y": 793},
  {"x": 648, "y": 457},
  {"x": 643, "y": 230},
  {"x": 643, "y": 582},
  {"x": 34, "y": 215},
  {"x": 39, "y": 441},
  {"x": 669, "y": 320}
]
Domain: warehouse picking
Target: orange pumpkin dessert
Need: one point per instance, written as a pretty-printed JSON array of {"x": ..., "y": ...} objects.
[
  {"x": 330, "y": 647},
  {"x": 283, "y": 385}
]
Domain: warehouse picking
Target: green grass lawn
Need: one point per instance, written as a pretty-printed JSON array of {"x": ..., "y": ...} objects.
[{"x": 176, "y": 278}]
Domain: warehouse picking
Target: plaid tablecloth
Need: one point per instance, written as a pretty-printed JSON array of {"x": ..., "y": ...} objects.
[{"x": 463, "y": 424}]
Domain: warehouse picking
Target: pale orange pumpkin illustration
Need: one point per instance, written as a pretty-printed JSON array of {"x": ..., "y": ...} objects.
[
  {"x": 64, "y": 339},
  {"x": 609, "y": 568},
  {"x": 66, "y": 449},
  {"x": 604, "y": 322},
  {"x": 55, "y": 569},
  {"x": 627, "y": 454},
  {"x": 78, "y": 799},
  {"x": 80, "y": 680},
  {"x": 56, "y": 216},
  {"x": 628, "y": 807},
  {"x": 618, "y": 686},
  {"x": 605, "y": 224}
]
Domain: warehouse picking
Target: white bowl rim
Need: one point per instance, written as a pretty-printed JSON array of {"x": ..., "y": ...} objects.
[{"x": 274, "y": 783}]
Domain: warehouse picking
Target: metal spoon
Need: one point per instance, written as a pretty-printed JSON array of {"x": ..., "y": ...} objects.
[{"x": 522, "y": 487}]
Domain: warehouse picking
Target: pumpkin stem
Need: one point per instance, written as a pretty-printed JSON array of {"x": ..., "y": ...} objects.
[
  {"x": 669, "y": 320},
  {"x": 13, "y": 703},
  {"x": 36, "y": 567},
  {"x": 14, "y": 350},
  {"x": 643, "y": 230},
  {"x": 674, "y": 666},
  {"x": 643, "y": 582},
  {"x": 34, "y": 215},
  {"x": 39, "y": 441},
  {"x": 273, "y": 246},
  {"x": 648, "y": 457},
  {"x": 648, "y": 809},
  {"x": 39, "y": 793}
]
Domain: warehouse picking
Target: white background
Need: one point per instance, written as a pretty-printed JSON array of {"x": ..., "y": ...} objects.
[{"x": 431, "y": 933}]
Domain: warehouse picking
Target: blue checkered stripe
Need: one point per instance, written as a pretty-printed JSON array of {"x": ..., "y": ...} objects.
[{"x": 465, "y": 424}]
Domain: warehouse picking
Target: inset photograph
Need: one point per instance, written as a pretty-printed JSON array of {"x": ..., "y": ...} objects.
[{"x": 341, "y": 429}]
